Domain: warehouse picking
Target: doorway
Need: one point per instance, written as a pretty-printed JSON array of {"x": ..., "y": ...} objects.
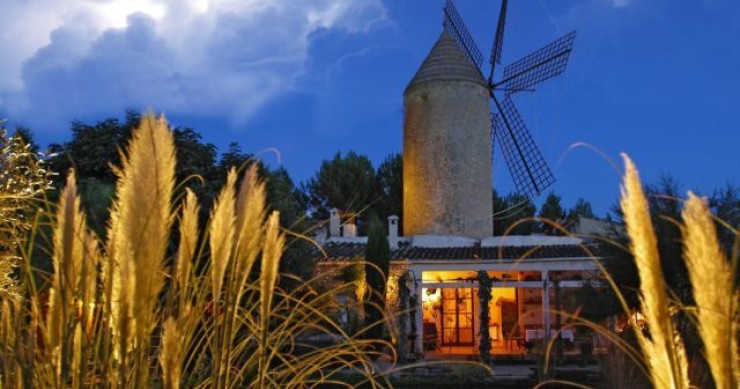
[{"x": 458, "y": 316}]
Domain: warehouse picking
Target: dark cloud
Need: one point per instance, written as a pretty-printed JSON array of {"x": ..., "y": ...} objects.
[{"x": 227, "y": 59}]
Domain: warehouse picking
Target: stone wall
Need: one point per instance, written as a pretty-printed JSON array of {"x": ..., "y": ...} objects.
[{"x": 447, "y": 160}]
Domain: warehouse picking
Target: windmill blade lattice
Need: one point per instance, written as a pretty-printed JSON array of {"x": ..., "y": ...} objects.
[
  {"x": 454, "y": 24},
  {"x": 498, "y": 41},
  {"x": 528, "y": 168},
  {"x": 539, "y": 66}
]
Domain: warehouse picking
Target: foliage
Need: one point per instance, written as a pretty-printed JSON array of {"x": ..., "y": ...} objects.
[
  {"x": 582, "y": 208},
  {"x": 232, "y": 157},
  {"x": 657, "y": 346},
  {"x": 404, "y": 318},
  {"x": 666, "y": 219},
  {"x": 390, "y": 183},
  {"x": 93, "y": 151},
  {"x": 93, "y": 148},
  {"x": 345, "y": 182},
  {"x": 665, "y": 216},
  {"x": 24, "y": 177},
  {"x": 725, "y": 203},
  {"x": 551, "y": 215},
  {"x": 619, "y": 370},
  {"x": 716, "y": 315},
  {"x": 351, "y": 184},
  {"x": 97, "y": 198},
  {"x": 378, "y": 257},
  {"x": 283, "y": 196},
  {"x": 194, "y": 158},
  {"x": 484, "y": 297},
  {"x": 512, "y": 214},
  {"x": 124, "y": 312}
]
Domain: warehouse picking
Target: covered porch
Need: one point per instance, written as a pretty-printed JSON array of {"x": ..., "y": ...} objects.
[{"x": 522, "y": 307}]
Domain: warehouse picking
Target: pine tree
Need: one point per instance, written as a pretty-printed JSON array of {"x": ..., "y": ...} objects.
[
  {"x": 378, "y": 256},
  {"x": 551, "y": 213}
]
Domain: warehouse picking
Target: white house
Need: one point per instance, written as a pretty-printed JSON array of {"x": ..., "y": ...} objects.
[
  {"x": 443, "y": 276},
  {"x": 448, "y": 224}
]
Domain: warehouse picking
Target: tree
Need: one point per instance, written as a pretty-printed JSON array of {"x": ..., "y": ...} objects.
[
  {"x": 347, "y": 183},
  {"x": 193, "y": 156},
  {"x": 665, "y": 207},
  {"x": 390, "y": 183},
  {"x": 582, "y": 208},
  {"x": 551, "y": 212},
  {"x": 94, "y": 148},
  {"x": 378, "y": 256},
  {"x": 665, "y": 212},
  {"x": 500, "y": 223},
  {"x": 282, "y": 195},
  {"x": 513, "y": 211},
  {"x": 26, "y": 136},
  {"x": 96, "y": 198},
  {"x": 725, "y": 204},
  {"x": 233, "y": 157}
]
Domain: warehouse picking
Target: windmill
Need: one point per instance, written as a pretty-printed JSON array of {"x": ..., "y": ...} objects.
[{"x": 528, "y": 168}]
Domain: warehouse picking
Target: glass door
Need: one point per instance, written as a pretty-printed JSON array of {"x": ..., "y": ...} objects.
[
  {"x": 458, "y": 324},
  {"x": 465, "y": 316}
]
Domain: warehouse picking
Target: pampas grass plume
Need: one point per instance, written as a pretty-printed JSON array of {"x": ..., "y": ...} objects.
[
  {"x": 663, "y": 350},
  {"x": 712, "y": 280}
]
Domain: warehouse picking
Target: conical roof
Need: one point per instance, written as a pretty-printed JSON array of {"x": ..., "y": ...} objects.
[{"x": 447, "y": 62}]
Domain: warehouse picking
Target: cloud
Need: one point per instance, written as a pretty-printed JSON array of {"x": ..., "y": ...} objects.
[{"x": 74, "y": 58}]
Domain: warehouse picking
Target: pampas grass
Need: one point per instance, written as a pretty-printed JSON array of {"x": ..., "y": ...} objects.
[
  {"x": 140, "y": 310},
  {"x": 663, "y": 351},
  {"x": 712, "y": 280},
  {"x": 714, "y": 291},
  {"x": 660, "y": 354}
]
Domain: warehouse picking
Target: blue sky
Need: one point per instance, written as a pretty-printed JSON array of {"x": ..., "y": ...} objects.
[{"x": 658, "y": 79}]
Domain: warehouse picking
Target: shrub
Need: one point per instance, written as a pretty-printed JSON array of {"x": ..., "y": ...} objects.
[{"x": 23, "y": 179}]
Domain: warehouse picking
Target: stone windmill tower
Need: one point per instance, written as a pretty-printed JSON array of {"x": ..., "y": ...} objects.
[
  {"x": 447, "y": 146},
  {"x": 449, "y": 126}
]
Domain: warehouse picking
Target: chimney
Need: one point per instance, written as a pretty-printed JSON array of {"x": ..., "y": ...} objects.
[
  {"x": 393, "y": 231},
  {"x": 349, "y": 230},
  {"x": 333, "y": 222}
]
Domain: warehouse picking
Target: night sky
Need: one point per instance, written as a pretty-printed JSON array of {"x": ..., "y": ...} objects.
[{"x": 658, "y": 79}]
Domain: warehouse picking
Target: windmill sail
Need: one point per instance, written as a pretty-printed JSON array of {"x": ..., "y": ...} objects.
[
  {"x": 455, "y": 25},
  {"x": 539, "y": 66},
  {"x": 498, "y": 41},
  {"x": 528, "y": 168}
]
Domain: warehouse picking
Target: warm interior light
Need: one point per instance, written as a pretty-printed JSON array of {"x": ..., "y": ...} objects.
[{"x": 433, "y": 295}]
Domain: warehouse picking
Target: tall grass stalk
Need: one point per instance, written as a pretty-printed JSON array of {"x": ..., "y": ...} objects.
[
  {"x": 663, "y": 350},
  {"x": 150, "y": 308},
  {"x": 714, "y": 291},
  {"x": 660, "y": 354}
]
